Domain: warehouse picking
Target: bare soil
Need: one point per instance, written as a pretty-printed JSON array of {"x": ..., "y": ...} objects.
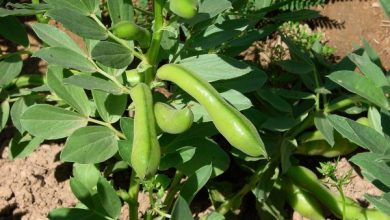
[{"x": 347, "y": 21}]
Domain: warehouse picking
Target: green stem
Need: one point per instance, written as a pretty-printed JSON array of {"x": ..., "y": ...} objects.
[
  {"x": 254, "y": 179},
  {"x": 112, "y": 78},
  {"x": 40, "y": 17},
  {"x": 133, "y": 197},
  {"x": 342, "y": 104},
  {"x": 317, "y": 82},
  {"x": 142, "y": 11},
  {"x": 118, "y": 40},
  {"x": 108, "y": 125},
  {"x": 173, "y": 189},
  {"x": 307, "y": 122},
  {"x": 158, "y": 26}
]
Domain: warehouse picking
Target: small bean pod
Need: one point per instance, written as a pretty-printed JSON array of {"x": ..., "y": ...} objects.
[
  {"x": 171, "y": 120},
  {"x": 231, "y": 123},
  {"x": 128, "y": 30},
  {"x": 145, "y": 155},
  {"x": 183, "y": 8}
]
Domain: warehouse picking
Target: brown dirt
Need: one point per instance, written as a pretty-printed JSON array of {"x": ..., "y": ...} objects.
[
  {"x": 347, "y": 21},
  {"x": 31, "y": 187}
]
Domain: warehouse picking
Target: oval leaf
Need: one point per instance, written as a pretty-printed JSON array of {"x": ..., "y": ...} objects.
[
  {"x": 51, "y": 122},
  {"x": 92, "y": 144}
]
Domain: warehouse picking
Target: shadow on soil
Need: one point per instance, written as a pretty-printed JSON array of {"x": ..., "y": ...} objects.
[{"x": 7, "y": 213}]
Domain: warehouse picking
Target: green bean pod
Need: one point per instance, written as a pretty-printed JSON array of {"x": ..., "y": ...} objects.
[
  {"x": 313, "y": 143},
  {"x": 232, "y": 124},
  {"x": 134, "y": 77},
  {"x": 171, "y": 120},
  {"x": 183, "y": 8},
  {"x": 306, "y": 179},
  {"x": 302, "y": 202},
  {"x": 128, "y": 30},
  {"x": 145, "y": 155}
]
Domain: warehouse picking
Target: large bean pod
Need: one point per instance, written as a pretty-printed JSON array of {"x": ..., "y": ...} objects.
[
  {"x": 233, "y": 125},
  {"x": 306, "y": 179},
  {"x": 145, "y": 155},
  {"x": 172, "y": 120}
]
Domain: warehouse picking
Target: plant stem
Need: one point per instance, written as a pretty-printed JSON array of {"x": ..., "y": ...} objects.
[
  {"x": 173, "y": 189},
  {"x": 20, "y": 52},
  {"x": 154, "y": 49},
  {"x": 40, "y": 17},
  {"x": 254, "y": 179},
  {"x": 108, "y": 125},
  {"x": 340, "y": 189},
  {"x": 342, "y": 104},
  {"x": 317, "y": 82},
  {"x": 133, "y": 197},
  {"x": 119, "y": 40}
]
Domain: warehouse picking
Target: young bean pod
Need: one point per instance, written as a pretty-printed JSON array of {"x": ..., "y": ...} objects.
[
  {"x": 313, "y": 143},
  {"x": 302, "y": 202},
  {"x": 183, "y": 8},
  {"x": 231, "y": 123},
  {"x": 145, "y": 155},
  {"x": 171, "y": 120},
  {"x": 306, "y": 179},
  {"x": 128, "y": 30}
]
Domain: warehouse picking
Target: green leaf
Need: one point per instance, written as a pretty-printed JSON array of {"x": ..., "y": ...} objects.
[
  {"x": 110, "y": 107},
  {"x": 370, "y": 70},
  {"x": 213, "y": 67},
  {"x": 210, "y": 9},
  {"x": 87, "y": 174},
  {"x": 85, "y": 7},
  {"x": 195, "y": 182},
  {"x": 54, "y": 37},
  {"x": 361, "y": 135},
  {"x": 127, "y": 127},
  {"x": 181, "y": 210},
  {"x": 78, "y": 23},
  {"x": 108, "y": 198},
  {"x": 22, "y": 146},
  {"x": 73, "y": 95},
  {"x": 120, "y": 10},
  {"x": 18, "y": 109},
  {"x": 74, "y": 213},
  {"x": 9, "y": 69},
  {"x": 12, "y": 29},
  {"x": 247, "y": 83},
  {"x": 237, "y": 99},
  {"x": 371, "y": 53},
  {"x": 112, "y": 54},
  {"x": 91, "y": 82},
  {"x": 179, "y": 156},
  {"x": 374, "y": 118},
  {"x": 382, "y": 203},
  {"x": 207, "y": 152},
  {"x": 92, "y": 144},
  {"x": 376, "y": 171},
  {"x": 360, "y": 85},
  {"x": 386, "y": 7},
  {"x": 294, "y": 66},
  {"x": 50, "y": 122},
  {"x": 124, "y": 148},
  {"x": 274, "y": 100},
  {"x": 4, "y": 114},
  {"x": 326, "y": 129},
  {"x": 215, "y": 216},
  {"x": 65, "y": 58}
]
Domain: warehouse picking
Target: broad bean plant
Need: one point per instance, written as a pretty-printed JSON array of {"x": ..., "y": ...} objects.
[{"x": 157, "y": 92}]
